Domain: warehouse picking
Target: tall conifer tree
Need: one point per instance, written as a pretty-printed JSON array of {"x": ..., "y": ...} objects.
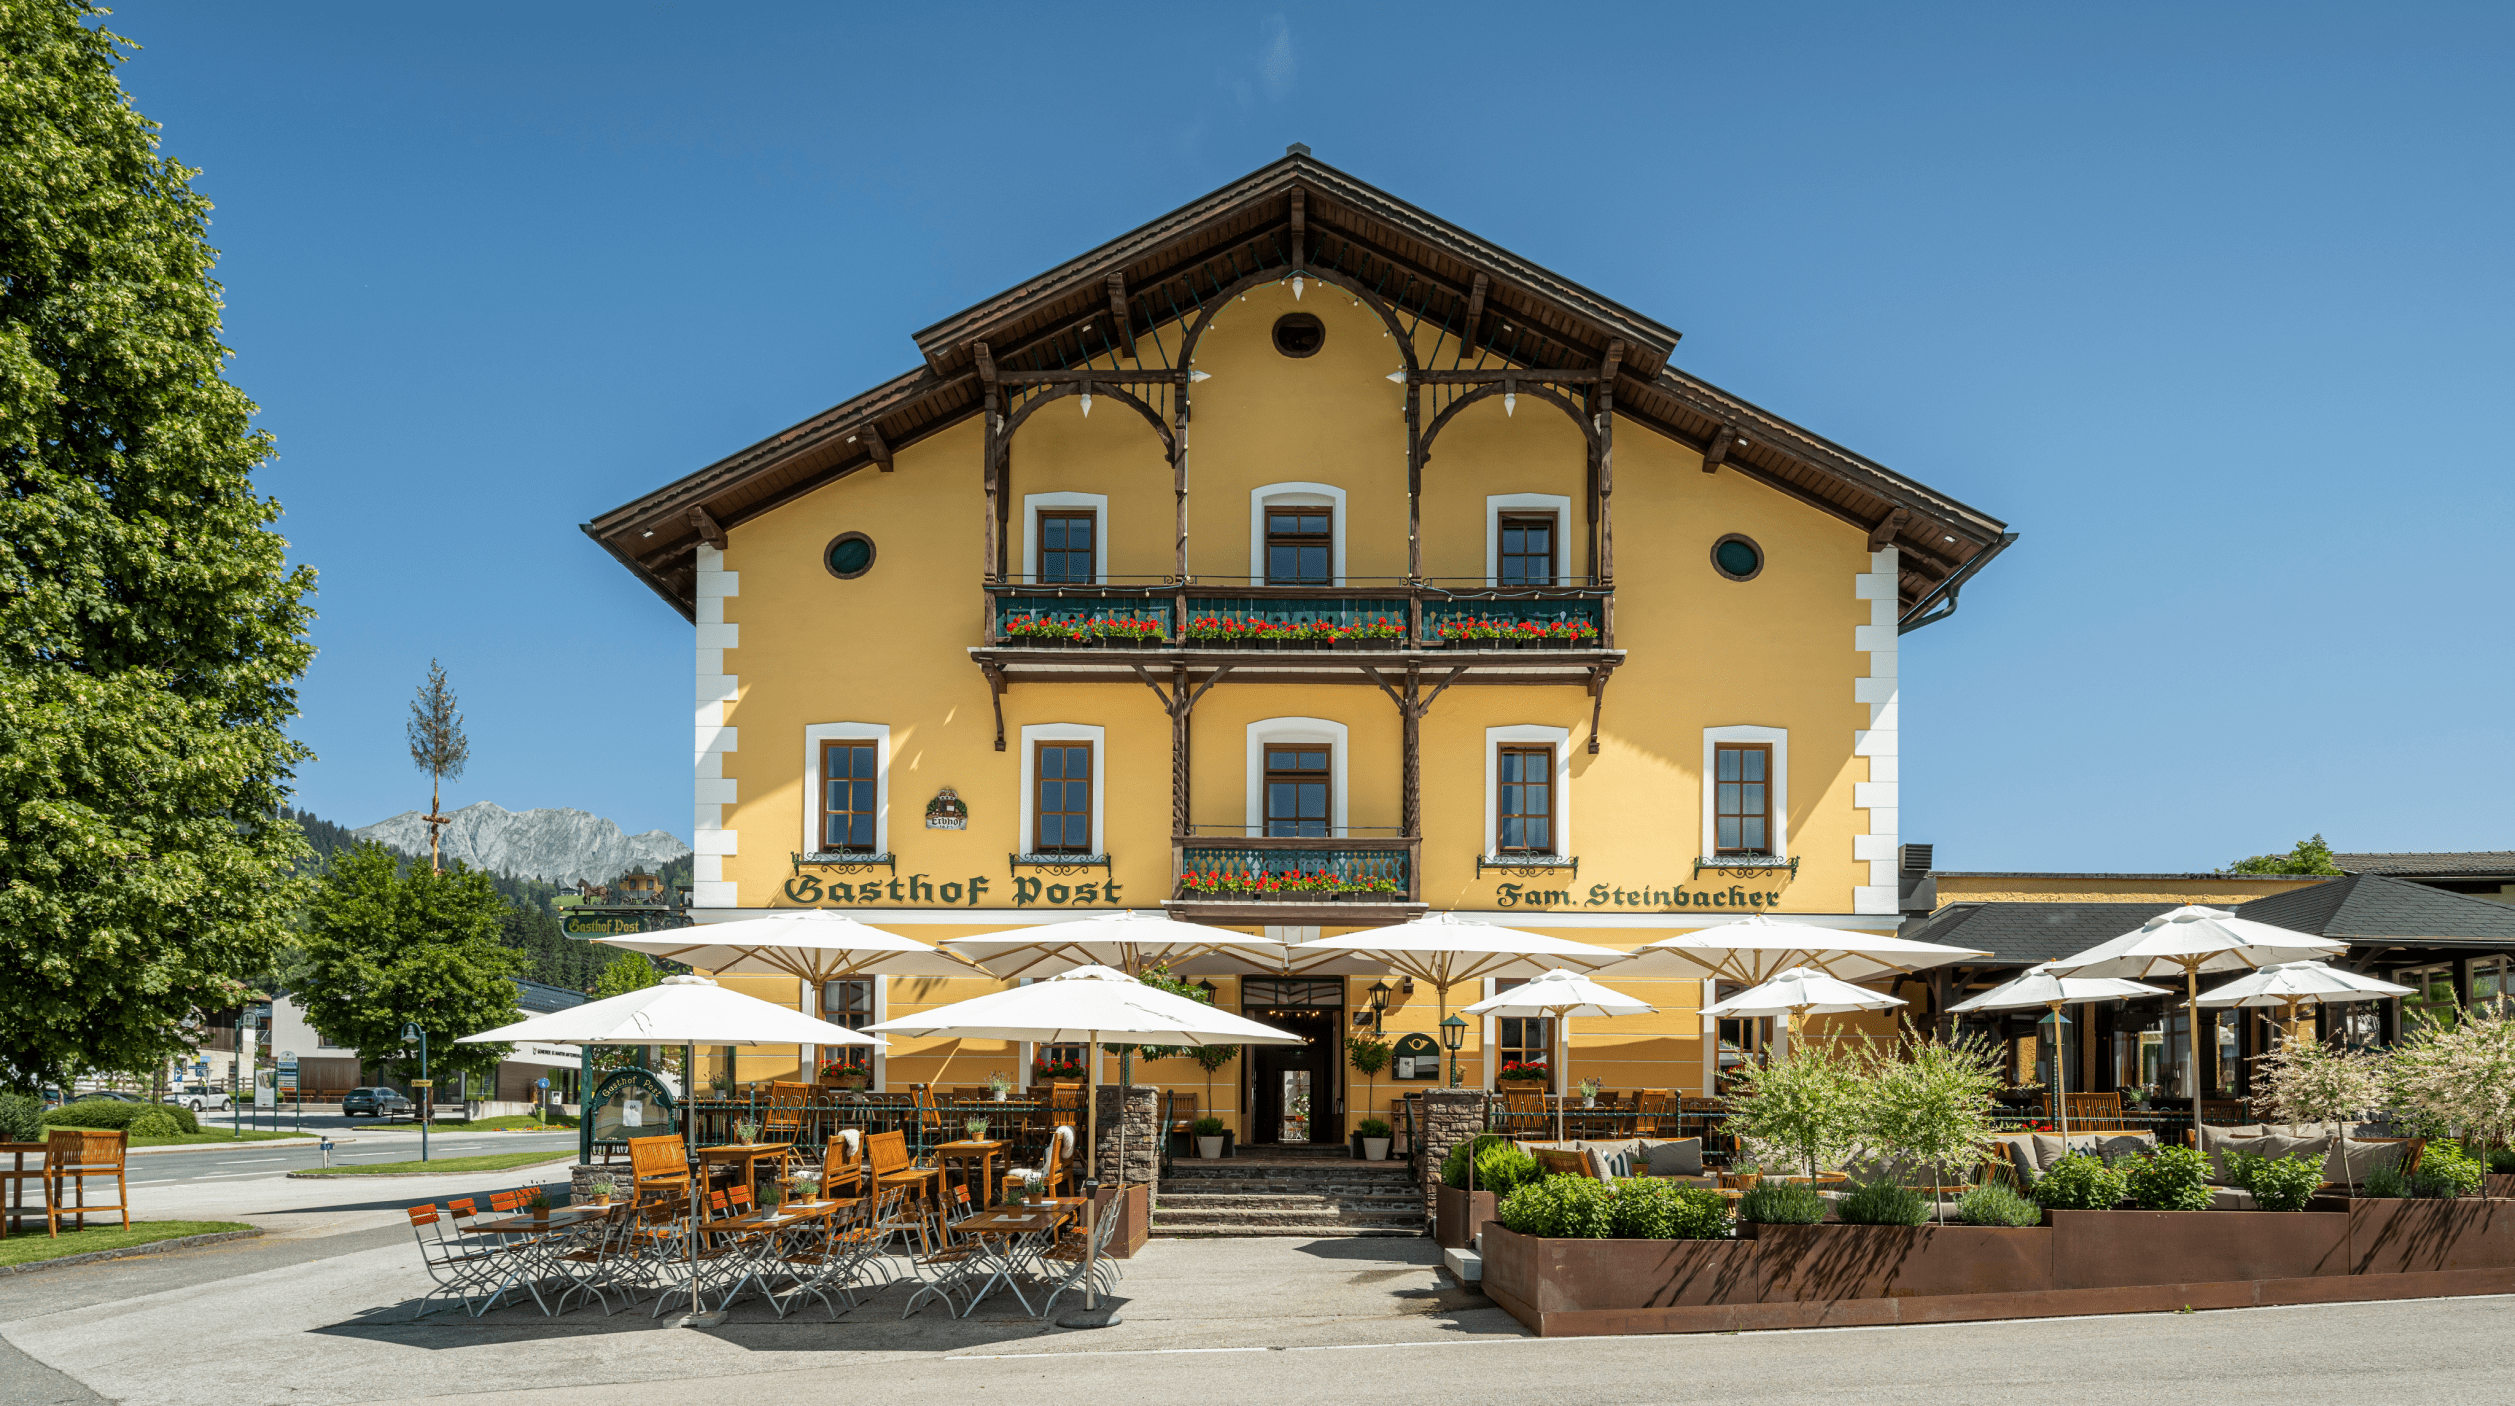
[{"x": 151, "y": 630}]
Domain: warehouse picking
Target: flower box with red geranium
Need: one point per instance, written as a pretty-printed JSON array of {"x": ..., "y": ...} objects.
[
  {"x": 1052, "y": 1070},
  {"x": 1117, "y": 631},
  {"x": 1532, "y": 1071}
]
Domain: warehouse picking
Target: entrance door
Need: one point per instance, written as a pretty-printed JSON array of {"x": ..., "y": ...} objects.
[{"x": 1295, "y": 1097}]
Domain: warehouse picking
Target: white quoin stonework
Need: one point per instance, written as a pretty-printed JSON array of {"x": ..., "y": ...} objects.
[
  {"x": 712, "y": 791},
  {"x": 1877, "y": 795}
]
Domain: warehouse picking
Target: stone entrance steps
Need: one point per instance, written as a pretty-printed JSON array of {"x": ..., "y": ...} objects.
[{"x": 1309, "y": 1192}]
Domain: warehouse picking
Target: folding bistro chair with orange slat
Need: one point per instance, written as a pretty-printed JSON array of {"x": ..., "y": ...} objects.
[
  {"x": 782, "y": 1120},
  {"x": 73, "y": 1155},
  {"x": 658, "y": 1164}
]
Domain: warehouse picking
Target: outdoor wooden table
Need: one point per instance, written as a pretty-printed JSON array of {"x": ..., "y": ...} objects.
[
  {"x": 534, "y": 1256},
  {"x": 748, "y": 1155},
  {"x": 981, "y": 1151},
  {"x": 1005, "y": 1239},
  {"x": 755, "y": 1240}
]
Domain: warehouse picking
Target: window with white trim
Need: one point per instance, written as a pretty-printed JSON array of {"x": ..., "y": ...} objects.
[
  {"x": 847, "y": 791},
  {"x": 1746, "y": 794}
]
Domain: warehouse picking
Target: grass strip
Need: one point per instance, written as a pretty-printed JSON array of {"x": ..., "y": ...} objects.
[
  {"x": 199, "y": 1139},
  {"x": 29, "y": 1247},
  {"x": 490, "y": 1162}
]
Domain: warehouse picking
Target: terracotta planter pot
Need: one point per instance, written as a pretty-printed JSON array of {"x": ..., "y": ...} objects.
[{"x": 1457, "y": 1216}]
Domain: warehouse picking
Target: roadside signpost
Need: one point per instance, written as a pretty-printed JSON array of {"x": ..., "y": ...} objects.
[
  {"x": 420, "y": 1085},
  {"x": 288, "y": 1086}
]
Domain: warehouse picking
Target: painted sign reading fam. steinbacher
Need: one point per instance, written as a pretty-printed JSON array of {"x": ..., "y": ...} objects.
[{"x": 1614, "y": 896}]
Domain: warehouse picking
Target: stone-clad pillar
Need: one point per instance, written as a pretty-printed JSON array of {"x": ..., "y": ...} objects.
[
  {"x": 1450, "y": 1117},
  {"x": 1143, "y": 1146}
]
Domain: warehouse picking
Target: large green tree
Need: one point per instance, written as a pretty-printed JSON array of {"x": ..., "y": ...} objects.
[
  {"x": 151, "y": 630},
  {"x": 2309, "y": 857},
  {"x": 383, "y": 948}
]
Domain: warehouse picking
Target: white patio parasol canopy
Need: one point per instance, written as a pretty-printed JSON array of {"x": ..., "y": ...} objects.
[
  {"x": 1087, "y": 1004},
  {"x": 1757, "y": 948},
  {"x": 2301, "y": 984},
  {"x": 2041, "y": 986},
  {"x": 812, "y": 945},
  {"x": 2191, "y": 940},
  {"x": 1803, "y": 991},
  {"x": 1559, "y": 994},
  {"x": 1134, "y": 941},
  {"x": 1445, "y": 949},
  {"x": 679, "y": 1010}
]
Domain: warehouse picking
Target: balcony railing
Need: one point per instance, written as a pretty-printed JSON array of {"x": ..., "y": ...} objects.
[
  {"x": 1375, "y": 616},
  {"x": 1298, "y": 870}
]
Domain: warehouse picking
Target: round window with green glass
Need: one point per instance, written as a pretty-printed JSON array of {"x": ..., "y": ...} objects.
[
  {"x": 1737, "y": 557},
  {"x": 849, "y": 555}
]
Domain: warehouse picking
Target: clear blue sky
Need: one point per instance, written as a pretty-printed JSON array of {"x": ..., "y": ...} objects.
[{"x": 2211, "y": 306}]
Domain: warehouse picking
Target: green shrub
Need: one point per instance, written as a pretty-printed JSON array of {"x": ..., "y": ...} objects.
[
  {"x": 1883, "y": 1203},
  {"x": 113, "y": 1113},
  {"x": 2080, "y": 1182},
  {"x": 2170, "y": 1179},
  {"x": 1208, "y": 1126},
  {"x": 2502, "y": 1160},
  {"x": 1997, "y": 1203},
  {"x": 1373, "y": 1127},
  {"x": 185, "y": 1117},
  {"x": 2446, "y": 1171},
  {"x": 1504, "y": 1169},
  {"x": 1560, "y": 1208},
  {"x": 155, "y": 1122},
  {"x": 1454, "y": 1166},
  {"x": 21, "y": 1118},
  {"x": 1644, "y": 1209},
  {"x": 2277, "y": 1183},
  {"x": 1781, "y": 1203},
  {"x": 2385, "y": 1182}
]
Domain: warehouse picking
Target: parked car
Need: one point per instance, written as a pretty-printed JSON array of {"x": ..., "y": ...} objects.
[
  {"x": 375, "y": 1103},
  {"x": 108, "y": 1096},
  {"x": 204, "y": 1100}
]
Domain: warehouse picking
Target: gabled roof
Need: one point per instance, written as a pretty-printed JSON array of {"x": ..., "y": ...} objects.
[
  {"x": 2022, "y": 934},
  {"x": 1425, "y": 266},
  {"x": 2465, "y": 864},
  {"x": 2371, "y": 908}
]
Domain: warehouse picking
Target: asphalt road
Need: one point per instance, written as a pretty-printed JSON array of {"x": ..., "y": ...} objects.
[{"x": 243, "y": 1160}]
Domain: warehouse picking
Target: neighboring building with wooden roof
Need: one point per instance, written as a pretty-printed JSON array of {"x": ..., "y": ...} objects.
[
  {"x": 2480, "y": 873},
  {"x": 1216, "y": 571}
]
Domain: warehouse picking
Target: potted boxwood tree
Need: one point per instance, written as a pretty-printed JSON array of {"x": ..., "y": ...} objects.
[
  {"x": 1375, "y": 1139},
  {"x": 1208, "y": 1132}
]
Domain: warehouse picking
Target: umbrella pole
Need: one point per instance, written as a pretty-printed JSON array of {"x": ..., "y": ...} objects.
[
  {"x": 2192, "y": 1003},
  {"x": 2060, "y": 1076},
  {"x": 1091, "y": 1317},
  {"x": 697, "y": 1317}
]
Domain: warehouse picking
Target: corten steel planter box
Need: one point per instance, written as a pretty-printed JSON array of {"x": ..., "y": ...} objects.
[
  {"x": 2417, "y": 1236},
  {"x": 2498, "y": 1186},
  {"x": 2111, "y": 1249},
  {"x": 1809, "y": 1263},
  {"x": 1457, "y": 1215},
  {"x": 1534, "y": 1278}
]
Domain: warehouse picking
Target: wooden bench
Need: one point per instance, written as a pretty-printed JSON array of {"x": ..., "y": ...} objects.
[{"x": 16, "y": 1176}]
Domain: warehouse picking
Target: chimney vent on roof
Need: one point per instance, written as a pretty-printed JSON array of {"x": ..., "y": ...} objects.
[
  {"x": 1916, "y": 859},
  {"x": 1297, "y": 149}
]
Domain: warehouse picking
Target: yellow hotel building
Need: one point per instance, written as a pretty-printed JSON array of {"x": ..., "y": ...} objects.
[{"x": 1300, "y": 563}]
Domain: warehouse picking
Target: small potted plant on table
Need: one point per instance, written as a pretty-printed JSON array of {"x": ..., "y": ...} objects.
[{"x": 1208, "y": 1132}]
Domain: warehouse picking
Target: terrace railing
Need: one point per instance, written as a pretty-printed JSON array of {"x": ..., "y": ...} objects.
[
  {"x": 1281, "y": 869},
  {"x": 1383, "y": 615}
]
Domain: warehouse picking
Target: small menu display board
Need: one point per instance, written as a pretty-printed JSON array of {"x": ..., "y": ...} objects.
[{"x": 1415, "y": 1057}]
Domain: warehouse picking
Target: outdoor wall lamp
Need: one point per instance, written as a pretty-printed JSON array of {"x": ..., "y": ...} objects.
[
  {"x": 1453, "y": 1035},
  {"x": 1379, "y": 1004},
  {"x": 1208, "y": 988}
]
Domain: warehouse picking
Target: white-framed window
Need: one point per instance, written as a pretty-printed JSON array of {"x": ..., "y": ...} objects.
[
  {"x": 1521, "y": 1038},
  {"x": 1062, "y": 744},
  {"x": 1517, "y": 796},
  {"x": 1521, "y": 512},
  {"x": 840, "y": 800},
  {"x": 1277, "y": 499},
  {"x": 1758, "y": 811},
  {"x": 2491, "y": 982},
  {"x": 1296, "y": 736},
  {"x": 1062, "y": 516}
]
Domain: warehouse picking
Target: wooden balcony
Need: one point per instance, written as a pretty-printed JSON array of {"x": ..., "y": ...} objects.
[
  {"x": 1296, "y": 882},
  {"x": 1299, "y": 634}
]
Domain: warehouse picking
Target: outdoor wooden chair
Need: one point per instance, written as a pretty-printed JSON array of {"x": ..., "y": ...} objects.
[
  {"x": 71, "y": 1156},
  {"x": 14, "y": 1180},
  {"x": 1555, "y": 1162},
  {"x": 1524, "y": 1113},
  {"x": 886, "y": 1159},
  {"x": 1055, "y": 1162},
  {"x": 1654, "y": 1113},
  {"x": 658, "y": 1164},
  {"x": 2093, "y": 1112},
  {"x": 1065, "y": 1105},
  {"x": 1183, "y": 1114}
]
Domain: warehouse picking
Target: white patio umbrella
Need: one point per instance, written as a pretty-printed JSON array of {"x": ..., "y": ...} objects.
[
  {"x": 1086, "y": 1004},
  {"x": 1445, "y": 949},
  {"x": 2294, "y": 984},
  {"x": 1559, "y": 994},
  {"x": 1134, "y": 941},
  {"x": 2039, "y": 986},
  {"x": 2193, "y": 939},
  {"x": 1756, "y": 948},
  {"x": 812, "y": 945},
  {"x": 679, "y": 1010},
  {"x": 1802, "y": 992}
]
